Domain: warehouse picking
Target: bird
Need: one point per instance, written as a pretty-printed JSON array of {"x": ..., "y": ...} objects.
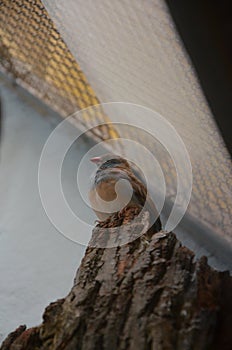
[{"x": 112, "y": 168}]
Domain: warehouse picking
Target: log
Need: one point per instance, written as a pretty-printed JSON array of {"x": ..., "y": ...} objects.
[{"x": 147, "y": 294}]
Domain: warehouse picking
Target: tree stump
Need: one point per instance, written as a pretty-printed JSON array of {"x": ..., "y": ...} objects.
[{"x": 147, "y": 294}]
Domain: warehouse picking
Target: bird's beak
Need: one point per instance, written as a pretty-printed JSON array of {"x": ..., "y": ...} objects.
[{"x": 96, "y": 160}]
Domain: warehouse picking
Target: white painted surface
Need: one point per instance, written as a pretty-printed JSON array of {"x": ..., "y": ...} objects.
[{"x": 37, "y": 264}]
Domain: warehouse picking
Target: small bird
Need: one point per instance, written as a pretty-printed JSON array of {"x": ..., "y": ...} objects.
[{"x": 111, "y": 170}]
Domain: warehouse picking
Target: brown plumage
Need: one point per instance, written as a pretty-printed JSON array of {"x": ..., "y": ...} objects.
[{"x": 111, "y": 169}]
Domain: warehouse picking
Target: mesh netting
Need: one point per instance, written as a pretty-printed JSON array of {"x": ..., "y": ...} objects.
[{"x": 34, "y": 53}]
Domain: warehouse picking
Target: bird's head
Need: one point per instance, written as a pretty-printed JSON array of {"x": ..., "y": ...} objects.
[{"x": 110, "y": 161}]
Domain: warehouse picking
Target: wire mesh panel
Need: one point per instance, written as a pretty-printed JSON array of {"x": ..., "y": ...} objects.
[
  {"x": 130, "y": 52},
  {"x": 33, "y": 52},
  {"x": 139, "y": 58}
]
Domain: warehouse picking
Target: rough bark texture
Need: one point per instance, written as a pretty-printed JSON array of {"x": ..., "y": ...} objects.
[{"x": 147, "y": 294}]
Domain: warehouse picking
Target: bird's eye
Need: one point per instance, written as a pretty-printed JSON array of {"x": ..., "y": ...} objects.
[
  {"x": 114, "y": 161},
  {"x": 110, "y": 163}
]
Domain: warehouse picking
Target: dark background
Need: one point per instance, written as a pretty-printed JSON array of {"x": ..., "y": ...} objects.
[{"x": 206, "y": 29}]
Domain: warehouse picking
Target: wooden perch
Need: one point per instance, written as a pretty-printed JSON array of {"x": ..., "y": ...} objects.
[{"x": 147, "y": 294}]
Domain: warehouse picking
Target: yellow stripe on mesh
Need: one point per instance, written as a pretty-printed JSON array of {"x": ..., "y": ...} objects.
[{"x": 32, "y": 50}]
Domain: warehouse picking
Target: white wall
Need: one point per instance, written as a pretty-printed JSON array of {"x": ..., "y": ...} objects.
[{"x": 37, "y": 263}]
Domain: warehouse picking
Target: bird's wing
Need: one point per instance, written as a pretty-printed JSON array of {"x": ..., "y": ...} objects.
[{"x": 142, "y": 197}]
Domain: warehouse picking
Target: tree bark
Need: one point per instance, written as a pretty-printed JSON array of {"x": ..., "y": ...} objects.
[{"x": 147, "y": 294}]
